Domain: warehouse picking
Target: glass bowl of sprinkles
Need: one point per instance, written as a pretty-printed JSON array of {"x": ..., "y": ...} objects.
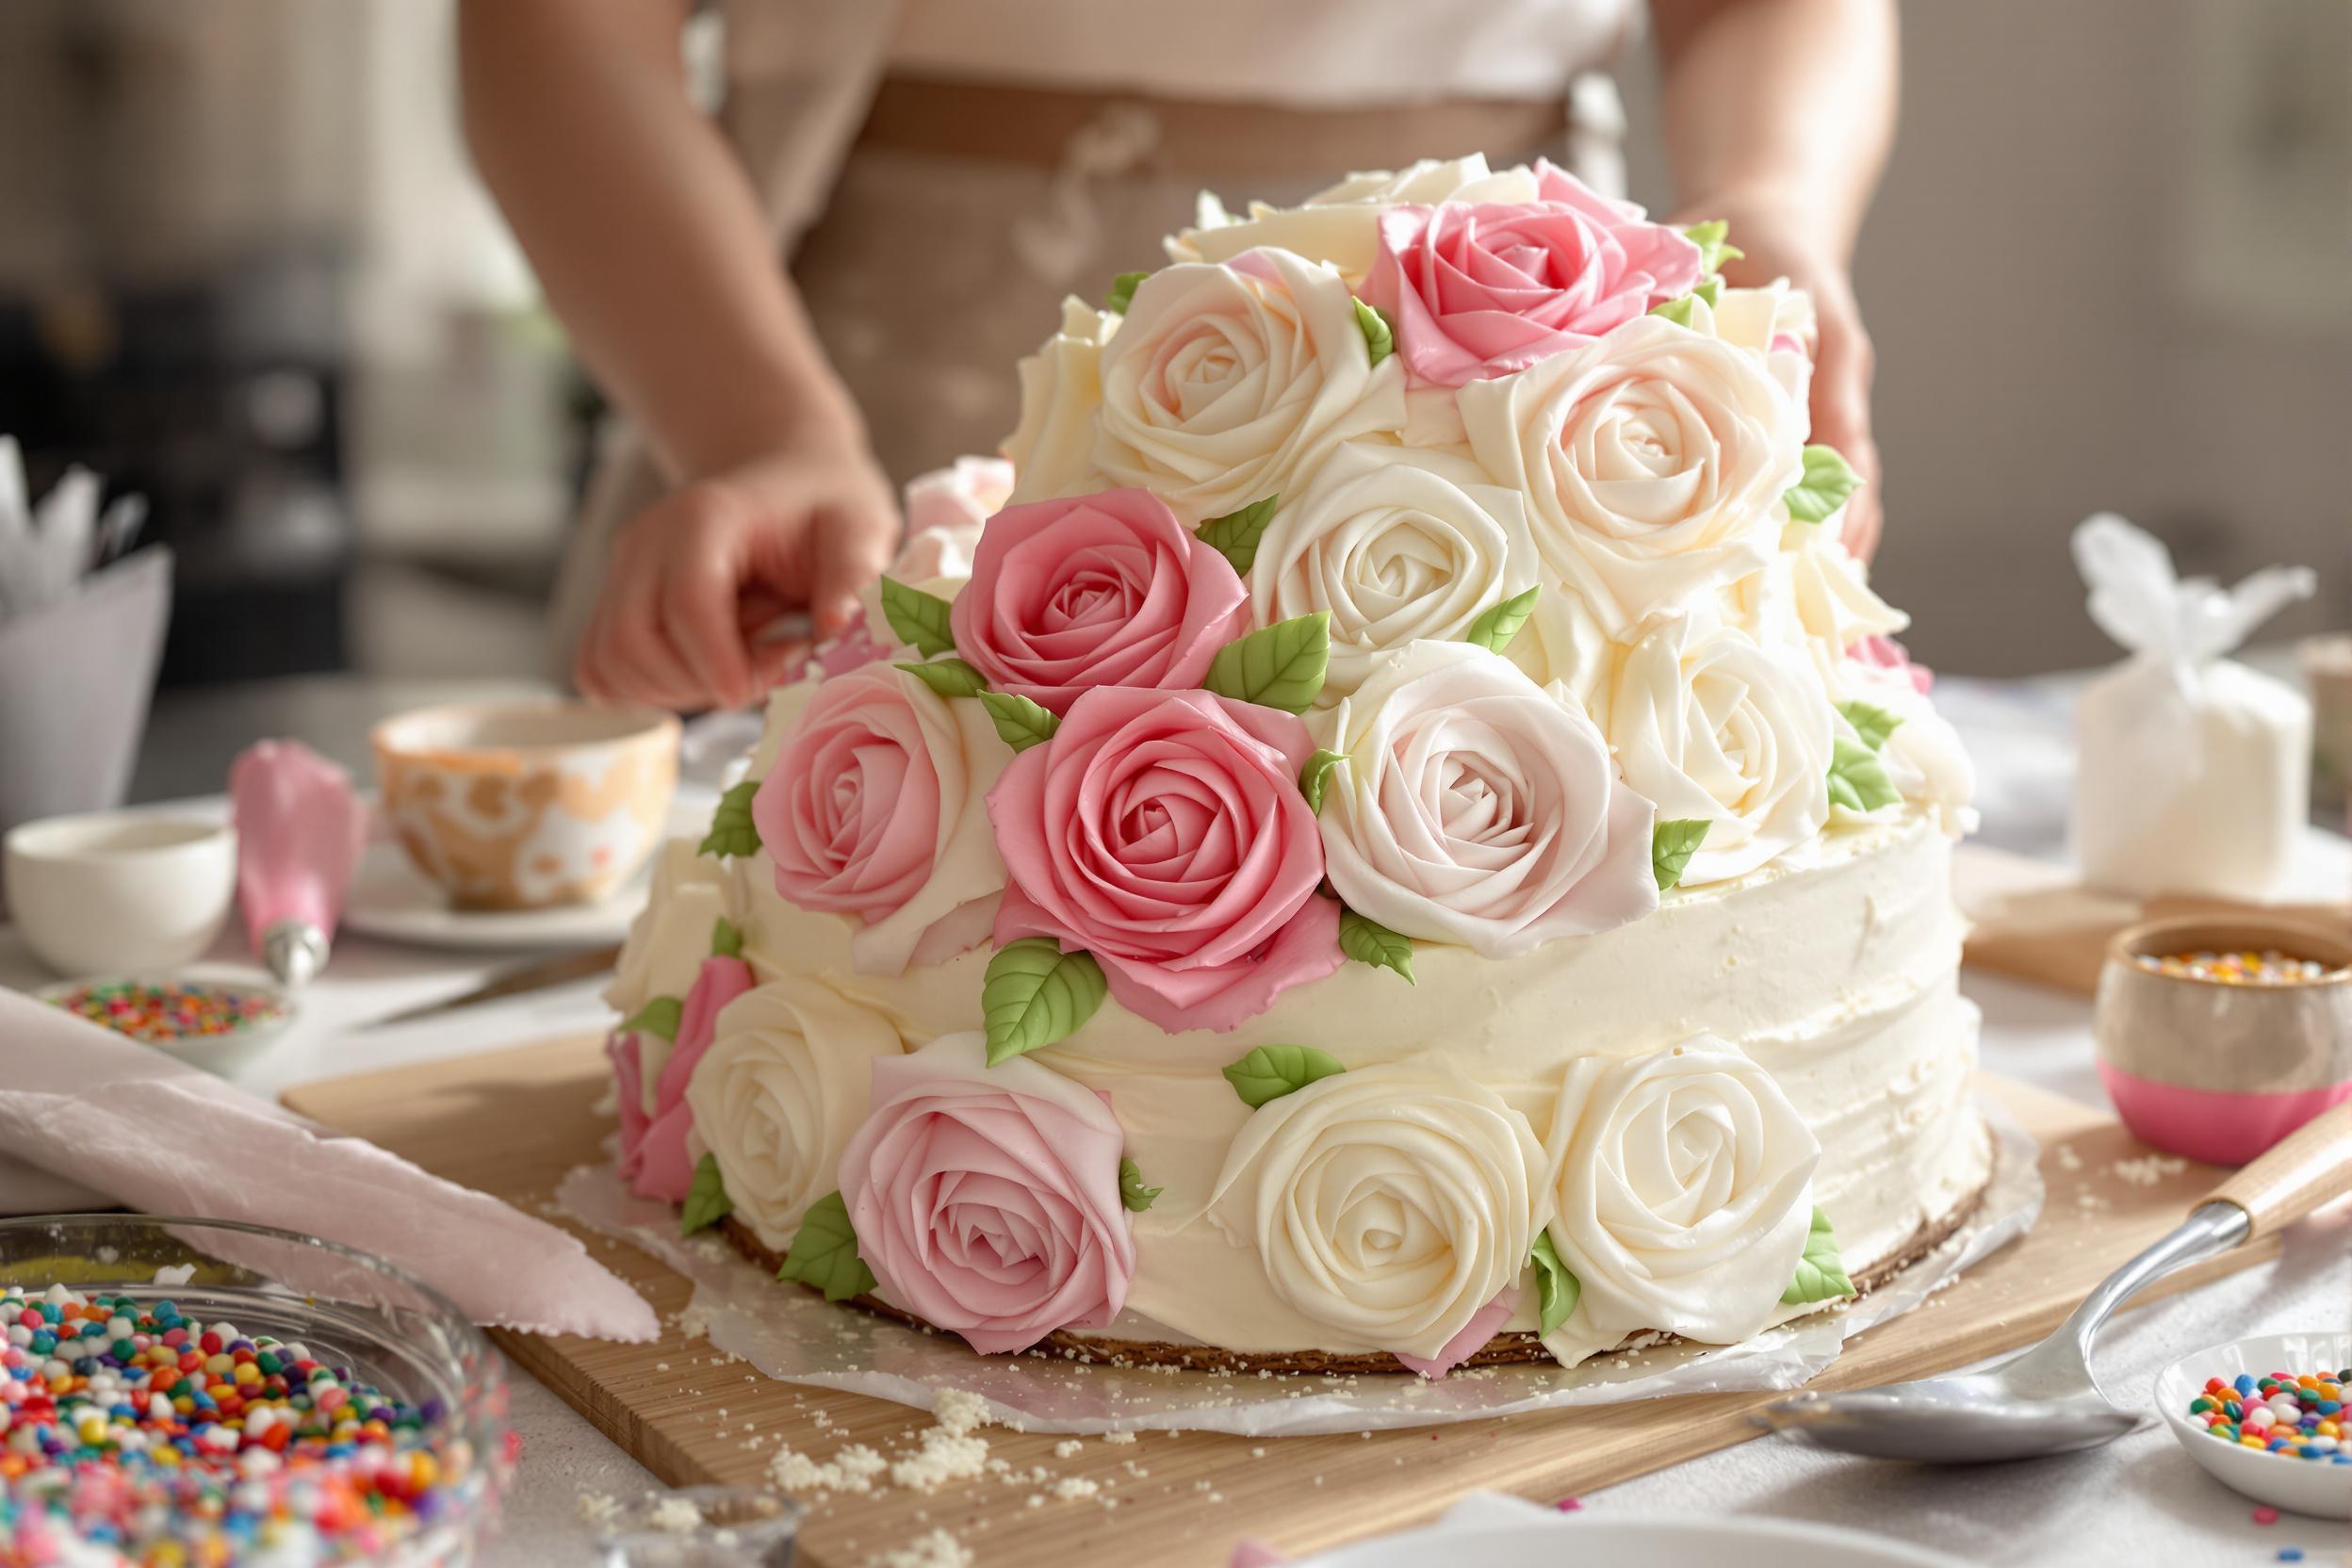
[
  {"x": 2267, "y": 1417},
  {"x": 2218, "y": 1037},
  {"x": 217, "y": 1021},
  {"x": 196, "y": 1394}
]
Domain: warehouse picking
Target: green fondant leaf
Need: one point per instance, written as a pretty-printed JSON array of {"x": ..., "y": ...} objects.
[
  {"x": 1122, "y": 292},
  {"x": 1710, "y": 289},
  {"x": 707, "y": 1202},
  {"x": 1317, "y": 776},
  {"x": 1828, "y": 481},
  {"x": 1132, "y": 1191},
  {"x": 1495, "y": 627},
  {"x": 1271, "y": 1071},
  {"x": 732, "y": 835},
  {"x": 1282, "y": 666},
  {"x": 1714, "y": 249},
  {"x": 824, "y": 1253},
  {"x": 1555, "y": 1288},
  {"x": 1021, "y": 723},
  {"x": 1872, "y": 724},
  {"x": 1676, "y": 310},
  {"x": 950, "y": 677},
  {"x": 727, "y": 939},
  {"x": 1380, "y": 334},
  {"x": 659, "y": 1017},
  {"x": 1857, "y": 779},
  {"x": 917, "y": 619},
  {"x": 1672, "y": 844},
  {"x": 1235, "y": 535},
  {"x": 1821, "y": 1273},
  {"x": 1036, "y": 994},
  {"x": 1367, "y": 941}
]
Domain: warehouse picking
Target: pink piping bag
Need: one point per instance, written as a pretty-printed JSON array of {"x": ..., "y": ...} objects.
[{"x": 300, "y": 831}]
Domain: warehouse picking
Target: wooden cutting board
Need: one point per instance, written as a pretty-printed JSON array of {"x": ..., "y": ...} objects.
[{"x": 514, "y": 1122}]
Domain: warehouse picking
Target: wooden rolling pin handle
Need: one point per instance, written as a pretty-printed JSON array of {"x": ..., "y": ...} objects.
[{"x": 2307, "y": 1168}]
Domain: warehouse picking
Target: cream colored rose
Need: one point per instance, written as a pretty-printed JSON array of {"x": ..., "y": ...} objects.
[
  {"x": 1715, "y": 726},
  {"x": 1473, "y": 805},
  {"x": 1679, "y": 1189},
  {"x": 1653, "y": 461},
  {"x": 1229, "y": 383},
  {"x": 1923, "y": 756},
  {"x": 670, "y": 938},
  {"x": 1337, "y": 224},
  {"x": 1389, "y": 1203},
  {"x": 1396, "y": 545},
  {"x": 1052, "y": 449},
  {"x": 778, "y": 1094},
  {"x": 1777, "y": 323},
  {"x": 1813, "y": 594}
]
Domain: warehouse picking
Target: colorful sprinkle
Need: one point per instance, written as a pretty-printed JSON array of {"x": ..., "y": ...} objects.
[
  {"x": 2295, "y": 1415},
  {"x": 2271, "y": 968},
  {"x": 176, "y": 1443},
  {"x": 160, "y": 1015}
]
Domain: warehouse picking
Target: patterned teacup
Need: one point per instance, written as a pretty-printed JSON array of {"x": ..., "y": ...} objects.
[
  {"x": 520, "y": 806},
  {"x": 2217, "y": 1069}
]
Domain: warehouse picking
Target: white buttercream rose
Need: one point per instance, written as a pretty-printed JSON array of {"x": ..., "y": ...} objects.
[
  {"x": 1396, "y": 545},
  {"x": 1715, "y": 726},
  {"x": 1473, "y": 805},
  {"x": 1052, "y": 449},
  {"x": 1226, "y": 384},
  {"x": 1923, "y": 756},
  {"x": 1679, "y": 1189},
  {"x": 1390, "y": 1203},
  {"x": 1339, "y": 223},
  {"x": 1653, "y": 461},
  {"x": 779, "y": 1093},
  {"x": 668, "y": 941}
]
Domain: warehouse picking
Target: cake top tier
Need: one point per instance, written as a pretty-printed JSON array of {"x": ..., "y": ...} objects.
[{"x": 1443, "y": 560}]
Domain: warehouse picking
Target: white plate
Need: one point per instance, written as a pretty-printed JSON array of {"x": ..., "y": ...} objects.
[
  {"x": 1652, "y": 1543},
  {"x": 2317, "y": 1487},
  {"x": 392, "y": 900}
]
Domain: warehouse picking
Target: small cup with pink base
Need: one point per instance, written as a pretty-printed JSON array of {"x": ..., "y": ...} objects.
[{"x": 2202, "y": 1060}]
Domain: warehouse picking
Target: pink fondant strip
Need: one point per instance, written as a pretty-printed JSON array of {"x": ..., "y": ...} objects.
[
  {"x": 1464, "y": 1345},
  {"x": 2212, "y": 1125}
]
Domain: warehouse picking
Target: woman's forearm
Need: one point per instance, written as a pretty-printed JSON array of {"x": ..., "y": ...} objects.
[
  {"x": 1781, "y": 104},
  {"x": 643, "y": 229}
]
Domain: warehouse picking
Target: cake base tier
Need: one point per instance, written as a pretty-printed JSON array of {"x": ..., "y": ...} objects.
[{"x": 1511, "y": 1347}]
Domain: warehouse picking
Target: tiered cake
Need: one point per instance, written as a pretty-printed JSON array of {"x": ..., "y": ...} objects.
[{"x": 1390, "y": 831}]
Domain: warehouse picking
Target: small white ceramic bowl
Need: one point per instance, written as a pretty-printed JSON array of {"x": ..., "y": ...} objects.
[
  {"x": 220, "y": 1054},
  {"x": 2316, "y": 1487},
  {"x": 120, "y": 892}
]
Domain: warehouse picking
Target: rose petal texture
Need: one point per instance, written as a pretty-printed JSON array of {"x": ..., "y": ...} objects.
[
  {"x": 1484, "y": 289},
  {"x": 1653, "y": 461},
  {"x": 1391, "y": 1203},
  {"x": 1338, "y": 224},
  {"x": 1715, "y": 726},
  {"x": 668, "y": 941},
  {"x": 657, "y": 1156},
  {"x": 876, "y": 807},
  {"x": 1475, "y": 806},
  {"x": 1227, "y": 383},
  {"x": 1052, "y": 449},
  {"x": 985, "y": 1200},
  {"x": 944, "y": 511},
  {"x": 778, "y": 1094},
  {"x": 1396, "y": 545},
  {"x": 1678, "y": 1185},
  {"x": 1102, "y": 590},
  {"x": 1925, "y": 759},
  {"x": 1164, "y": 832}
]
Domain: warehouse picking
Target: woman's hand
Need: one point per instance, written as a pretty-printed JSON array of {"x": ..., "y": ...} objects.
[{"x": 696, "y": 577}]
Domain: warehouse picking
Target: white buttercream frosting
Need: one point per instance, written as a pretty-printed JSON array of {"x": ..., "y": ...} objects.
[
  {"x": 775, "y": 1098},
  {"x": 1339, "y": 223},
  {"x": 1681, "y": 1194}
]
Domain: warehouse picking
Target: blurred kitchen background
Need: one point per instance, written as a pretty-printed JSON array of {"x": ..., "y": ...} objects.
[{"x": 245, "y": 269}]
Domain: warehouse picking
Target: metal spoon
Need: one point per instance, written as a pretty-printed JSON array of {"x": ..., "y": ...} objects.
[{"x": 2044, "y": 1400}]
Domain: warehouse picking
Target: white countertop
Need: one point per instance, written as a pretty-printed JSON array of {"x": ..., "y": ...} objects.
[{"x": 2139, "y": 1500}]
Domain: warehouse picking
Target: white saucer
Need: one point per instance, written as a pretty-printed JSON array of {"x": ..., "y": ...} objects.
[
  {"x": 2318, "y": 1488},
  {"x": 391, "y": 900}
]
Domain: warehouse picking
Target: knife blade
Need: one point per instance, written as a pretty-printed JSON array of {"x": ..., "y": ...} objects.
[{"x": 539, "y": 976}]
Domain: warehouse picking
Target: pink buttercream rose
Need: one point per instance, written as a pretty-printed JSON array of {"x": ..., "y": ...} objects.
[
  {"x": 1101, "y": 590},
  {"x": 1482, "y": 289},
  {"x": 1165, "y": 833},
  {"x": 656, "y": 1160},
  {"x": 949, "y": 501},
  {"x": 1883, "y": 653},
  {"x": 985, "y": 1200}
]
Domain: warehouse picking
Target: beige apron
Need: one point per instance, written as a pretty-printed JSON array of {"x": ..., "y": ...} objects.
[{"x": 935, "y": 227}]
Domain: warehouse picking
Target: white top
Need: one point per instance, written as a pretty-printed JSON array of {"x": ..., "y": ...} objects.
[{"x": 1293, "y": 52}]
